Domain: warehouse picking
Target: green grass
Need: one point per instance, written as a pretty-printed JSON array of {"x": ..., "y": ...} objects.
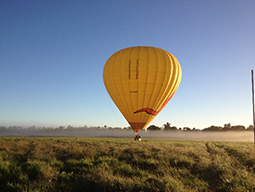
[{"x": 110, "y": 164}]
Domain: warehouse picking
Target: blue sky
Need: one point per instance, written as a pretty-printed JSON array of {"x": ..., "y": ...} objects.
[{"x": 52, "y": 55}]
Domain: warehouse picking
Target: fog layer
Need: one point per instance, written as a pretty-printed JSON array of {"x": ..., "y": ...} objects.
[{"x": 175, "y": 135}]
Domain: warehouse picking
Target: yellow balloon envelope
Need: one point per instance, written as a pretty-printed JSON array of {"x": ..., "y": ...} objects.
[{"x": 141, "y": 81}]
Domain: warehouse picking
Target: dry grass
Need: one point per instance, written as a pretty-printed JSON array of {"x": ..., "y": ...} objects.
[{"x": 103, "y": 164}]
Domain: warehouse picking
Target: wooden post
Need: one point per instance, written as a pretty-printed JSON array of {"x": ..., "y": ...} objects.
[{"x": 252, "y": 82}]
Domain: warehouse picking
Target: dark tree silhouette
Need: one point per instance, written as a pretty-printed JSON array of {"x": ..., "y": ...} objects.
[{"x": 153, "y": 127}]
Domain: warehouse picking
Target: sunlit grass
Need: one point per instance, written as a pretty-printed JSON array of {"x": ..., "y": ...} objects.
[{"x": 110, "y": 164}]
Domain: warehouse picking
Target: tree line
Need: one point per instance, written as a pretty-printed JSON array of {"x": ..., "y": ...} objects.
[
  {"x": 166, "y": 127},
  {"x": 226, "y": 127}
]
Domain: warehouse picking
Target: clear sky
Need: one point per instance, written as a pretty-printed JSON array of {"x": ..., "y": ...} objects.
[{"x": 52, "y": 55}]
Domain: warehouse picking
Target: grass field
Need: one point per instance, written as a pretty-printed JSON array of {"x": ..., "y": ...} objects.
[{"x": 110, "y": 164}]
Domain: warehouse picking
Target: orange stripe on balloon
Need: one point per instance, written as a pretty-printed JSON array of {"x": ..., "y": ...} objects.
[{"x": 151, "y": 111}]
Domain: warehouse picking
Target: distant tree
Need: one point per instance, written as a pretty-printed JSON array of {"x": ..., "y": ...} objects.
[
  {"x": 32, "y": 128},
  {"x": 227, "y": 127},
  {"x": 173, "y": 128},
  {"x": 61, "y": 127},
  {"x": 69, "y": 127},
  {"x": 2, "y": 128},
  {"x": 238, "y": 128},
  {"x": 213, "y": 128},
  {"x": 167, "y": 127},
  {"x": 250, "y": 128},
  {"x": 153, "y": 127},
  {"x": 14, "y": 128},
  {"x": 186, "y": 129}
]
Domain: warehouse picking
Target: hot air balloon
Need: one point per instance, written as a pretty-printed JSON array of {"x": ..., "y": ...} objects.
[{"x": 141, "y": 81}]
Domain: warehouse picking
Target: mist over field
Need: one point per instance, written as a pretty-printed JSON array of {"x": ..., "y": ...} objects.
[
  {"x": 246, "y": 136},
  {"x": 199, "y": 135}
]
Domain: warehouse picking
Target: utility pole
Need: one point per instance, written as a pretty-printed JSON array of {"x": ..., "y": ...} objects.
[{"x": 252, "y": 82}]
